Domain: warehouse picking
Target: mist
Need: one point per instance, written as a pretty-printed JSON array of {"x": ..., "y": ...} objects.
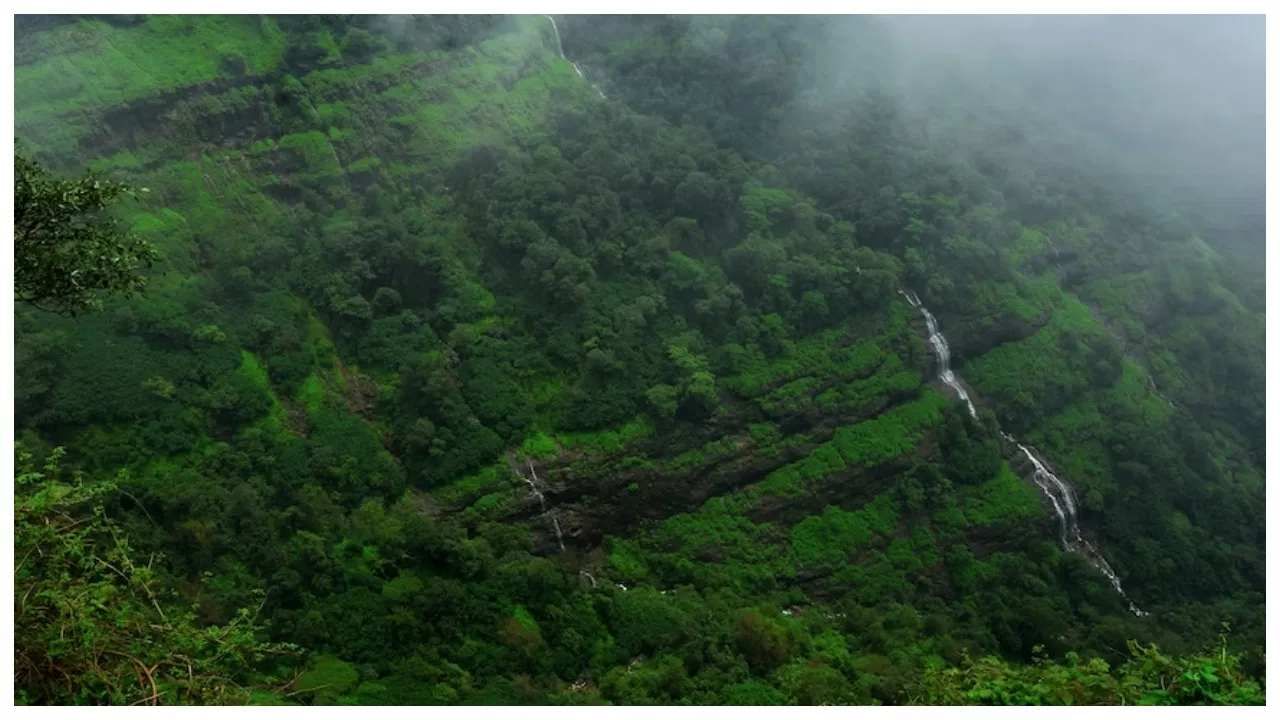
[{"x": 1167, "y": 109}]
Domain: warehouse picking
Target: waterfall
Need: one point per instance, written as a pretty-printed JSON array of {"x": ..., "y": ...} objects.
[
  {"x": 535, "y": 490},
  {"x": 555, "y": 523},
  {"x": 555, "y": 29},
  {"x": 943, "y": 352},
  {"x": 1060, "y": 494},
  {"x": 1064, "y": 505},
  {"x": 560, "y": 49}
]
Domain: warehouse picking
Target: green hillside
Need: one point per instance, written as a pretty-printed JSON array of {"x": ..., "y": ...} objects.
[{"x": 459, "y": 382}]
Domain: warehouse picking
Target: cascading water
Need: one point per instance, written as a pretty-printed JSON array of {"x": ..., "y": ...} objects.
[
  {"x": 555, "y": 523},
  {"x": 1060, "y": 494},
  {"x": 560, "y": 49},
  {"x": 536, "y": 491},
  {"x": 943, "y": 351},
  {"x": 1064, "y": 505}
]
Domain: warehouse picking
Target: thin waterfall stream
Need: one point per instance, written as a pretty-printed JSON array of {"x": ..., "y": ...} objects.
[
  {"x": 576, "y": 68},
  {"x": 535, "y": 490},
  {"x": 943, "y": 352},
  {"x": 1061, "y": 495}
]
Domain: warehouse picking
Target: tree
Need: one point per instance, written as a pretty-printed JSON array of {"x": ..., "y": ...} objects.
[
  {"x": 68, "y": 250},
  {"x": 763, "y": 642},
  {"x": 665, "y": 400},
  {"x": 91, "y": 622},
  {"x": 1146, "y": 677},
  {"x": 971, "y": 450}
]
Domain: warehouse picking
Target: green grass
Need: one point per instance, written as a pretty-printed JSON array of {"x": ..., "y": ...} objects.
[
  {"x": 488, "y": 98},
  {"x": 485, "y": 481},
  {"x": 312, "y": 152},
  {"x": 1004, "y": 499},
  {"x": 712, "y": 547},
  {"x": 499, "y": 91},
  {"x": 829, "y": 355},
  {"x": 1028, "y": 300},
  {"x": 252, "y": 368},
  {"x": 91, "y": 65},
  {"x": 891, "y": 435},
  {"x": 312, "y": 393},
  {"x": 826, "y": 541},
  {"x": 539, "y": 445},
  {"x": 892, "y": 379},
  {"x": 607, "y": 441},
  {"x": 1039, "y": 365},
  {"x": 1077, "y": 436}
]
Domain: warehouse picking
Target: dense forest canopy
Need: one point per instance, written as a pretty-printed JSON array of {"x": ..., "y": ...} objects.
[{"x": 593, "y": 360}]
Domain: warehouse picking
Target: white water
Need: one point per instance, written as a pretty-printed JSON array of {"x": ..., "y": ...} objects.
[
  {"x": 1060, "y": 494},
  {"x": 555, "y": 523},
  {"x": 560, "y": 49},
  {"x": 943, "y": 352},
  {"x": 1064, "y": 504},
  {"x": 535, "y": 490}
]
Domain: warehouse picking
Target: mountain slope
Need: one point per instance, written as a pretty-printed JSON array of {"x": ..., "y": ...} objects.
[{"x": 571, "y": 399}]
